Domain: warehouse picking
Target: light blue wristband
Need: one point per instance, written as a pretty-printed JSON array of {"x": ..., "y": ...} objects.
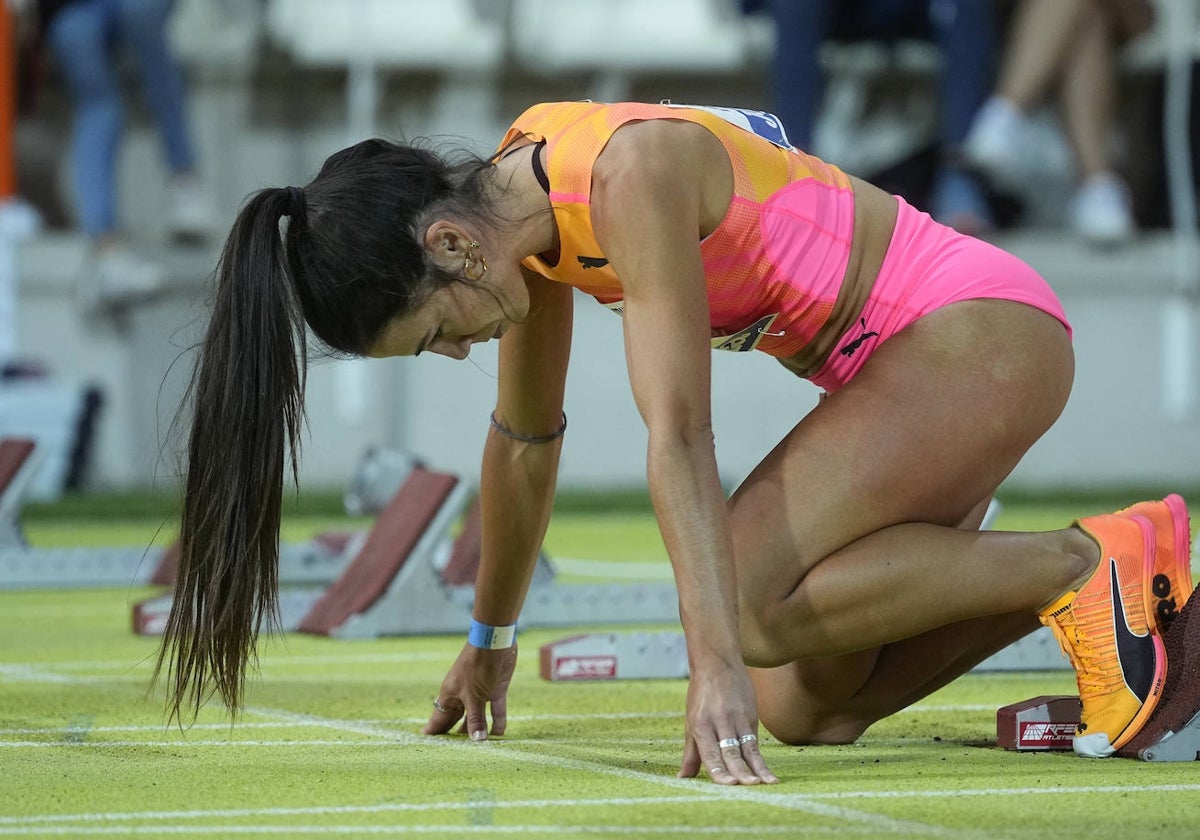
[{"x": 488, "y": 637}]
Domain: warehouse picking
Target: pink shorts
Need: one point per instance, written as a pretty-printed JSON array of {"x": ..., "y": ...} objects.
[{"x": 928, "y": 266}]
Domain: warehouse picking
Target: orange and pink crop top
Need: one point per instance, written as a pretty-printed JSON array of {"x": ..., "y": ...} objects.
[{"x": 774, "y": 265}]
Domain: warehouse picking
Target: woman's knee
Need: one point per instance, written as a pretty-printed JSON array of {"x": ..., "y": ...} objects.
[
  {"x": 815, "y": 732},
  {"x": 768, "y": 640},
  {"x": 812, "y": 702}
]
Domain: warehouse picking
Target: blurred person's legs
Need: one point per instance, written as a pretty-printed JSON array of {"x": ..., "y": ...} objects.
[
  {"x": 1043, "y": 33},
  {"x": 1000, "y": 141},
  {"x": 143, "y": 26},
  {"x": 801, "y": 26},
  {"x": 1073, "y": 43},
  {"x": 81, "y": 37},
  {"x": 1101, "y": 209},
  {"x": 965, "y": 32}
]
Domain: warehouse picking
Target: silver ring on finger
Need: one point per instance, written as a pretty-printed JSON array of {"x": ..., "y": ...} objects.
[
  {"x": 747, "y": 738},
  {"x": 724, "y": 743},
  {"x": 437, "y": 704}
]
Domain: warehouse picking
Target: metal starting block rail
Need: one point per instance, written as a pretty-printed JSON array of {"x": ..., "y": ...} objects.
[
  {"x": 622, "y": 655},
  {"x": 1183, "y": 745},
  {"x": 26, "y": 567},
  {"x": 22, "y": 566}
]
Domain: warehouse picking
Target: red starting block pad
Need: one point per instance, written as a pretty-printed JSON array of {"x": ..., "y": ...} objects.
[
  {"x": 615, "y": 656},
  {"x": 1039, "y": 723}
]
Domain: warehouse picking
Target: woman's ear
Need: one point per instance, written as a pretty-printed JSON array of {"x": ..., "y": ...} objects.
[{"x": 447, "y": 243}]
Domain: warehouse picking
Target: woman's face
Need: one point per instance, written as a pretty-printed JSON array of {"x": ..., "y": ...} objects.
[{"x": 449, "y": 322}]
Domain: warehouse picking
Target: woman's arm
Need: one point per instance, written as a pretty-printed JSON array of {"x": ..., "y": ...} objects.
[
  {"x": 516, "y": 496},
  {"x": 518, "y": 478},
  {"x": 654, "y": 191}
]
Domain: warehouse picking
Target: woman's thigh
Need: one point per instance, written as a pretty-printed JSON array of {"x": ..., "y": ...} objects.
[{"x": 935, "y": 420}]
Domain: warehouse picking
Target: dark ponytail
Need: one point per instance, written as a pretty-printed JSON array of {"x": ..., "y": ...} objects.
[
  {"x": 247, "y": 410},
  {"x": 352, "y": 260}
]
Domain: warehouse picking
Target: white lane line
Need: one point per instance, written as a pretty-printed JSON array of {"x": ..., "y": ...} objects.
[
  {"x": 733, "y": 793},
  {"x": 381, "y": 808},
  {"x": 160, "y": 728},
  {"x": 146, "y": 663},
  {"x": 32, "y": 673},
  {"x": 163, "y": 728},
  {"x": 418, "y": 721},
  {"x": 75, "y": 737},
  {"x": 77, "y": 744},
  {"x": 1026, "y": 791},
  {"x": 471, "y": 805},
  {"x": 44, "y": 672},
  {"x": 448, "y": 830}
]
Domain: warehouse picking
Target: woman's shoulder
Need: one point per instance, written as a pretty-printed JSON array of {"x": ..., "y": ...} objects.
[{"x": 662, "y": 142}]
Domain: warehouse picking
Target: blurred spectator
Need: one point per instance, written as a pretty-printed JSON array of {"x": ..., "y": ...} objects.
[
  {"x": 85, "y": 38},
  {"x": 1071, "y": 43},
  {"x": 965, "y": 33}
]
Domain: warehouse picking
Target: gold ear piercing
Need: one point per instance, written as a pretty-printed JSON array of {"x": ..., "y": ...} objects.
[{"x": 470, "y": 260}]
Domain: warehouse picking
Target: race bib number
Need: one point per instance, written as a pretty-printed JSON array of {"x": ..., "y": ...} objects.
[
  {"x": 767, "y": 126},
  {"x": 741, "y": 341},
  {"x": 748, "y": 338}
]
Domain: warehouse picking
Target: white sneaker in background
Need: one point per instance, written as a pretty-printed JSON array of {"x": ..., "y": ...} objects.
[
  {"x": 191, "y": 212},
  {"x": 19, "y": 220},
  {"x": 1100, "y": 210},
  {"x": 997, "y": 142},
  {"x": 1017, "y": 151},
  {"x": 117, "y": 277}
]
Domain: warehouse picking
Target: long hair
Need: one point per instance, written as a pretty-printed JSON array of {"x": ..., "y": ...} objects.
[{"x": 351, "y": 259}]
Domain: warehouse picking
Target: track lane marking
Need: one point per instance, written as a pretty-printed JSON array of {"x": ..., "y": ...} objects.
[
  {"x": 454, "y": 830},
  {"x": 735, "y": 793},
  {"x": 627, "y": 801}
]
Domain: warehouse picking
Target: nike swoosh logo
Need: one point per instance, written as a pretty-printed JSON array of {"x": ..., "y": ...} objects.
[{"x": 1135, "y": 652}]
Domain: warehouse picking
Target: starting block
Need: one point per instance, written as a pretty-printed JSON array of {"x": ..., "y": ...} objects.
[
  {"x": 22, "y": 566},
  {"x": 1171, "y": 734},
  {"x": 412, "y": 579},
  {"x": 615, "y": 656},
  {"x": 1173, "y": 731},
  {"x": 407, "y": 576},
  {"x": 1040, "y": 723}
]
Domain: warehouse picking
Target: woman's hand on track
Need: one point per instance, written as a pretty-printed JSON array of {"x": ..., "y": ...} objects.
[
  {"x": 722, "y": 728},
  {"x": 477, "y": 678}
]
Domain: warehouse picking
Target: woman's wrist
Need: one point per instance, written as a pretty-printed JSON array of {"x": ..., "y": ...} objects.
[{"x": 491, "y": 636}]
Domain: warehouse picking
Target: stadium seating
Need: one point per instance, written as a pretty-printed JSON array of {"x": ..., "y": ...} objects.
[
  {"x": 452, "y": 38},
  {"x": 616, "y": 40}
]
